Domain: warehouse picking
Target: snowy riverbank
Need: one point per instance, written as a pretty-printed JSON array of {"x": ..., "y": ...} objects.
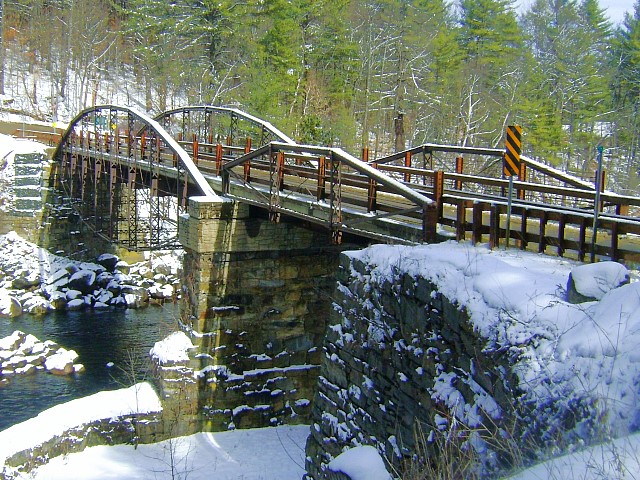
[{"x": 35, "y": 281}]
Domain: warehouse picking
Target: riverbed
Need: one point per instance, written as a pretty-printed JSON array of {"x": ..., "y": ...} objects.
[{"x": 112, "y": 344}]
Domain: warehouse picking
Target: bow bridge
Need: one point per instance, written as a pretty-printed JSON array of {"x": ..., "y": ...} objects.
[
  {"x": 129, "y": 178},
  {"x": 262, "y": 221}
]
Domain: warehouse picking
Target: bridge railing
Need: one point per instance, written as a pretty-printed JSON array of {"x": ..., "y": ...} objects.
[
  {"x": 479, "y": 212},
  {"x": 340, "y": 190},
  {"x": 483, "y": 177}
]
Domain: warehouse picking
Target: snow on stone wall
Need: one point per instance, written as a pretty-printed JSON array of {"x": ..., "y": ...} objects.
[{"x": 450, "y": 338}]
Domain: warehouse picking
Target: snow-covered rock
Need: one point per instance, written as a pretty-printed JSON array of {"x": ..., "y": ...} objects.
[
  {"x": 9, "y": 305},
  {"x": 36, "y": 305},
  {"x": 76, "y": 304},
  {"x": 57, "y": 283},
  {"x": 108, "y": 261},
  {"x": 83, "y": 280},
  {"x": 61, "y": 363},
  {"x": 174, "y": 348},
  {"x": 25, "y": 279},
  {"x": 22, "y": 353},
  {"x": 135, "y": 297},
  {"x": 58, "y": 300},
  {"x": 360, "y": 463},
  {"x": 592, "y": 281}
]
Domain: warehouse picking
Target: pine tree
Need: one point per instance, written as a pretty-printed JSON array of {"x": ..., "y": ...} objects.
[
  {"x": 491, "y": 42},
  {"x": 627, "y": 98}
]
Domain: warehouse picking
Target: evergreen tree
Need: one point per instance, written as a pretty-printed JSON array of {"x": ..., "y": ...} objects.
[
  {"x": 492, "y": 74},
  {"x": 627, "y": 98}
]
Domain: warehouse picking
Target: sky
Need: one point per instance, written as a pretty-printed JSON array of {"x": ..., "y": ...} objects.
[{"x": 615, "y": 8}]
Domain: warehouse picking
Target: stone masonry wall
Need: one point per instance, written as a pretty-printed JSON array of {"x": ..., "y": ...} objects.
[
  {"x": 28, "y": 191},
  {"x": 255, "y": 302},
  {"x": 400, "y": 360}
]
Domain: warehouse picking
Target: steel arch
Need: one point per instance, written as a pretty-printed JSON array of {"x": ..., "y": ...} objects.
[{"x": 128, "y": 188}]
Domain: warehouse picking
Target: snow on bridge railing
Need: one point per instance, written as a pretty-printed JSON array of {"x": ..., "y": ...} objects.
[{"x": 104, "y": 119}]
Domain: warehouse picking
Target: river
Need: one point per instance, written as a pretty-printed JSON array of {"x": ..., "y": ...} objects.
[{"x": 101, "y": 338}]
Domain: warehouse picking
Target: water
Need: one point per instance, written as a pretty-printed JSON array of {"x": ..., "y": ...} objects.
[{"x": 123, "y": 337}]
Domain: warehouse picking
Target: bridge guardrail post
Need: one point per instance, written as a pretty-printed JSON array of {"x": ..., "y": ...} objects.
[
  {"x": 459, "y": 170},
  {"x": 438, "y": 191},
  {"x": 218, "y": 158},
  {"x": 522, "y": 177},
  {"x": 476, "y": 223},
  {"x": 407, "y": 163},
  {"x": 372, "y": 194},
  {"x": 494, "y": 226},
  {"x": 321, "y": 188},
  {"x": 247, "y": 164},
  {"x": 429, "y": 223},
  {"x": 461, "y": 218},
  {"x": 195, "y": 148}
]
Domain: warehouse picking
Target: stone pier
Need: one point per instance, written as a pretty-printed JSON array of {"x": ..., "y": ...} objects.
[{"x": 256, "y": 298}]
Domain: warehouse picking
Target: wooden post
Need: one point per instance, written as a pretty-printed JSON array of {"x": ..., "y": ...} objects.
[
  {"x": 365, "y": 154},
  {"x": 281, "y": 171},
  {"x": 429, "y": 223},
  {"x": 195, "y": 149},
  {"x": 407, "y": 163},
  {"x": 459, "y": 170},
  {"x": 614, "y": 241},
  {"x": 321, "y": 189},
  {"x": 476, "y": 223},
  {"x": 522, "y": 177},
  {"x": 461, "y": 217},
  {"x": 438, "y": 191},
  {"x": 218, "y": 158},
  {"x": 582, "y": 241},
  {"x": 542, "y": 241},
  {"x": 523, "y": 228},
  {"x": 603, "y": 180},
  {"x": 143, "y": 144},
  {"x": 247, "y": 164},
  {"x": 561, "y": 227},
  {"x": 372, "y": 200},
  {"x": 494, "y": 227}
]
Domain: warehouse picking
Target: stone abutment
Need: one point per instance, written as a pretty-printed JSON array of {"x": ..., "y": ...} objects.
[
  {"x": 256, "y": 299},
  {"x": 402, "y": 368}
]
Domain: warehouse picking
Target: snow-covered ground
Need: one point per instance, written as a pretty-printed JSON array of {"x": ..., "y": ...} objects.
[{"x": 261, "y": 454}]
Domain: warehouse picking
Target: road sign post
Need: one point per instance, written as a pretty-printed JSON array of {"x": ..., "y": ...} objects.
[{"x": 511, "y": 167}]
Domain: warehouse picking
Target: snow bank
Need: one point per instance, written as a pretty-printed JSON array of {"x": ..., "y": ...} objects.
[
  {"x": 563, "y": 354},
  {"x": 361, "y": 463},
  {"x": 140, "y": 398},
  {"x": 275, "y": 453}
]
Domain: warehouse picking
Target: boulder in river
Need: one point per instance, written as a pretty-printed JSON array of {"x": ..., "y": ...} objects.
[
  {"x": 83, "y": 280},
  {"x": 9, "y": 305}
]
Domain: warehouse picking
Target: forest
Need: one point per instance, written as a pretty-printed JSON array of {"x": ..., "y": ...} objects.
[{"x": 385, "y": 74}]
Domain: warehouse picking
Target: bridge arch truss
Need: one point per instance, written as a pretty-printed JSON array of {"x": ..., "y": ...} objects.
[{"x": 125, "y": 177}]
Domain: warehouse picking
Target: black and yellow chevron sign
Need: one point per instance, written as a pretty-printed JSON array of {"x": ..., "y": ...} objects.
[{"x": 513, "y": 143}]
